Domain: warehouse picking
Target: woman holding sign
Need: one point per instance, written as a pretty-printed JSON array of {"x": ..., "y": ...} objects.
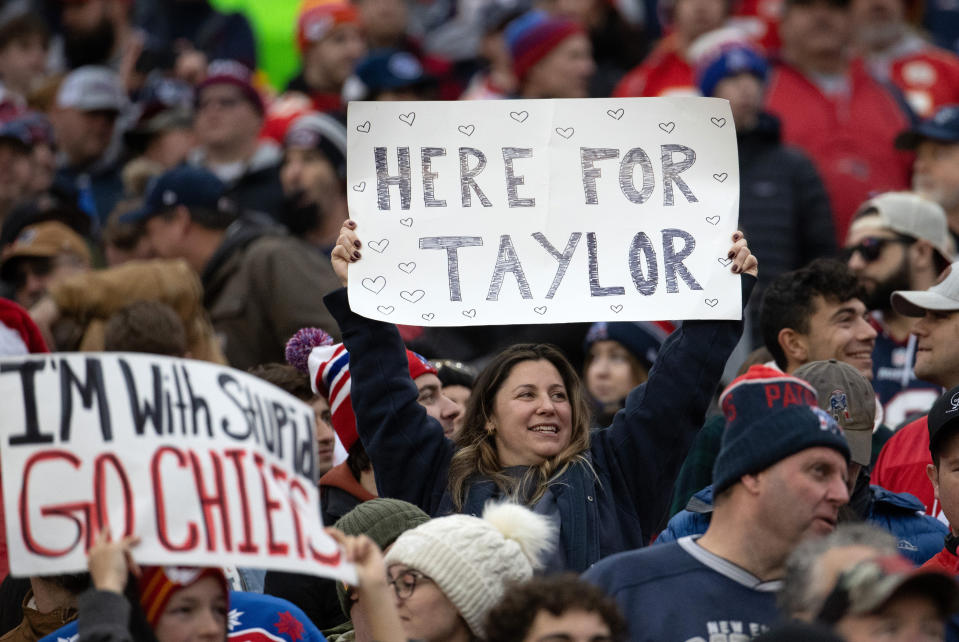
[{"x": 526, "y": 434}]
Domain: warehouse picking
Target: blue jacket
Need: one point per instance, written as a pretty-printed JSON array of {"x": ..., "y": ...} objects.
[
  {"x": 614, "y": 504},
  {"x": 918, "y": 535}
]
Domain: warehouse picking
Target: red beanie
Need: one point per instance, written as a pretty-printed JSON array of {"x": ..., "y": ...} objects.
[
  {"x": 318, "y": 17},
  {"x": 18, "y": 333},
  {"x": 157, "y": 584}
]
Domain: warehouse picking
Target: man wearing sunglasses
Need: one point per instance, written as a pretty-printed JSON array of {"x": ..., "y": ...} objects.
[{"x": 897, "y": 241}]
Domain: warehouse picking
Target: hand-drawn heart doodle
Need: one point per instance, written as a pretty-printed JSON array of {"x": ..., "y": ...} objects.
[
  {"x": 429, "y": 316},
  {"x": 385, "y": 309},
  {"x": 519, "y": 116},
  {"x": 379, "y": 246},
  {"x": 413, "y": 296},
  {"x": 469, "y": 314},
  {"x": 541, "y": 310},
  {"x": 713, "y": 220},
  {"x": 566, "y": 132},
  {"x": 359, "y": 187},
  {"x": 721, "y": 177},
  {"x": 364, "y": 128},
  {"x": 719, "y": 122},
  {"x": 724, "y": 262},
  {"x": 407, "y": 267},
  {"x": 408, "y": 118},
  {"x": 467, "y": 129},
  {"x": 616, "y": 308},
  {"x": 374, "y": 285},
  {"x": 408, "y": 222},
  {"x": 615, "y": 114},
  {"x": 712, "y": 302},
  {"x": 668, "y": 127}
]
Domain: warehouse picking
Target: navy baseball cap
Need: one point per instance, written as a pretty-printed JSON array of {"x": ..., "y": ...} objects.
[
  {"x": 184, "y": 185},
  {"x": 943, "y": 127},
  {"x": 392, "y": 69}
]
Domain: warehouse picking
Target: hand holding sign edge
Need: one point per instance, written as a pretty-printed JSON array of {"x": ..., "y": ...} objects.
[{"x": 346, "y": 251}]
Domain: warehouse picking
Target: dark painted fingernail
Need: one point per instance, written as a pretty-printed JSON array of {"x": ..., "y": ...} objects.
[
  {"x": 737, "y": 236},
  {"x": 735, "y": 268},
  {"x": 350, "y": 224},
  {"x": 731, "y": 255},
  {"x": 356, "y": 244},
  {"x": 356, "y": 255}
]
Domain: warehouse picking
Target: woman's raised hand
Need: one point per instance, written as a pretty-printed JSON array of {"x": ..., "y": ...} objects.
[
  {"x": 346, "y": 250},
  {"x": 744, "y": 261},
  {"x": 111, "y": 562}
]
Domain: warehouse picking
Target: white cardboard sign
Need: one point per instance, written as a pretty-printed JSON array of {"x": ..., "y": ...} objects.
[
  {"x": 543, "y": 211},
  {"x": 210, "y": 466}
]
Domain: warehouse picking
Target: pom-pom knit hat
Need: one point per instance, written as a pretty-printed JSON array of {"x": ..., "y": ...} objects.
[
  {"x": 770, "y": 415},
  {"x": 474, "y": 560},
  {"x": 532, "y": 37}
]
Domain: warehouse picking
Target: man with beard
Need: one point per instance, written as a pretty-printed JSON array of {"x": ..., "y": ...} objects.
[
  {"x": 897, "y": 241},
  {"x": 98, "y": 32}
]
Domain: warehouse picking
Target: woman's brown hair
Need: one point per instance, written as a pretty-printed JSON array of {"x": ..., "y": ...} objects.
[{"x": 476, "y": 454}]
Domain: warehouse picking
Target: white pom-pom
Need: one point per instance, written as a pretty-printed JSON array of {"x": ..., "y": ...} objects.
[{"x": 535, "y": 534}]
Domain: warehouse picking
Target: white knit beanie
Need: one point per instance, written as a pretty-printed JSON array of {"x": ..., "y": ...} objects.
[{"x": 473, "y": 560}]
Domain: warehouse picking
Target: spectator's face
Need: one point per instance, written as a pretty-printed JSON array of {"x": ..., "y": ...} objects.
[
  {"x": 800, "y": 496},
  {"x": 197, "y": 612},
  {"x": 889, "y": 272},
  {"x": 384, "y": 21},
  {"x": 840, "y": 331},
  {"x": 693, "y": 18},
  {"x": 44, "y": 166},
  {"x": 945, "y": 478},
  {"x": 814, "y": 30},
  {"x": 878, "y": 21},
  {"x": 438, "y": 406},
  {"x": 907, "y": 617},
  {"x": 225, "y": 117},
  {"x": 937, "y": 349},
  {"x": 166, "y": 235},
  {"x": 565, "y": 71},
  {"x": 571, "y": 626},
  {"x": 16, "y": 173},
  {"x": 532, "y": 416},
  {"x": 324, "y": 434},
  {"x": 23, "y": 62},
  {"x": 307, "y": 171},
  {"x": 329, "y": 62},
  {"x": 744, "y": 92},
  {"x": 427, "y": 614},
  {"x": 460, "y": 395},
  {"x": 170, "y": 148},
  {"x": 935, "y": 174},
  {"x": 83, "y": 135},
  {"x": 33, "y": 276},
  {"x": 609, "y": 375},
  {"x": 83, "y": 15}
]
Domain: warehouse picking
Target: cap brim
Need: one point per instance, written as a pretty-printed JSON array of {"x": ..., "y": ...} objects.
[
  {"x": 907, "y": 140},
  {"x": 860, "y": 446},
  {"x": 136, "y": 216},
  {"x": 912, "y": 303},
  {"x": 934, "y": 584},
  {"x": 911, "y": 138}
]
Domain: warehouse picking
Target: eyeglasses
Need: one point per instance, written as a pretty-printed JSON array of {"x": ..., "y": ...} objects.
[
  {"x": 871, "y": 248},
  {"x": 405, "y": 583}
]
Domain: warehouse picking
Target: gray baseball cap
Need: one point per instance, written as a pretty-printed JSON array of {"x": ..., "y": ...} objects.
[
  {"x": 848, "y": 397},
  {"x": 92, "y": 88},
  {"x": 910, "y": 214},
  {"x": 942, "y": 297}
]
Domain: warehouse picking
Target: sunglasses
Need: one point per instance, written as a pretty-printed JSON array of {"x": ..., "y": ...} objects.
[{"x": 871, "y": 248}]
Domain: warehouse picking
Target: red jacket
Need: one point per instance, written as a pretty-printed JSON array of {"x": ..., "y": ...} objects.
[
  {"x": 901, "y": 466},
  {"x": 664, "y": 72},
  {"x": 849, "y": 137},
  {"x": 943, "y": 561}
]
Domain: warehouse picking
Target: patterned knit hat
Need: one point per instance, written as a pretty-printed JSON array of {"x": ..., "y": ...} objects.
[
  {"x": 731, "y": 60},
  {"x": 157, "y": 584},
  {"x": 311, "y": 350},
  {"x": 473, "y": 560},
  {"x": 318, "y": 17},
  {"x": 533, "y": 35},
  {"x": 769, "y": 416},
  {"x": 642, "y": 339},
  {"x": 19, "y": 335}
]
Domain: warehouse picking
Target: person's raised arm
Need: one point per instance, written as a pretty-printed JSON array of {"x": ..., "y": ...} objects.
[
  {"x": 409, "y": 452},
  {"x": 104, "y": 613},
  {"x": 649, "y": 438}
]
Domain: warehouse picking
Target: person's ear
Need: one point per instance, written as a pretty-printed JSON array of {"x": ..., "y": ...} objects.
[
  {"x": 933, "y": 474},
  {"x": 794, "y": 344},
  {"x": 751, "y": 483},
  {"x": 921, "y": 255}
]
